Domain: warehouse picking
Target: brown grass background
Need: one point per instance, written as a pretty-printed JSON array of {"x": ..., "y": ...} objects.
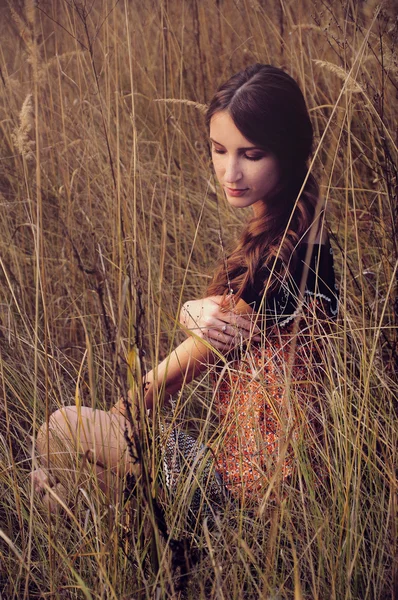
[{"x": 111, "y": 218}]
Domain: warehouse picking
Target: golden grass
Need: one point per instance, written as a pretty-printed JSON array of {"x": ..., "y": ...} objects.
[{"x": 110, "y": 219}]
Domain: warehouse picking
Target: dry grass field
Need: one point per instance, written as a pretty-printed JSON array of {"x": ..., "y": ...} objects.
[{"x": 111, "y": 219}]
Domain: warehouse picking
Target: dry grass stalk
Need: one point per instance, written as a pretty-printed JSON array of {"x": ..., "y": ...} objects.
[
  {"x": 200, "y": 107},
  {"x": 116, "y": 256},
  {"x": 22, "y": 134},
  {"x": 351, "y": 86}
]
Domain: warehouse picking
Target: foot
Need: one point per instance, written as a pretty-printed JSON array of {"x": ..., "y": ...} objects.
[
  {"x": 55, "y": 502},
  {"x": 40, "y": 481},
  {"x": 47, "y": 491}
]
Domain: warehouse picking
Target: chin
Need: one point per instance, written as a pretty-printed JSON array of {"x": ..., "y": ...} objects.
[
  {"x": 242, "y": 202},
  {"x": 234, "y": 202}
]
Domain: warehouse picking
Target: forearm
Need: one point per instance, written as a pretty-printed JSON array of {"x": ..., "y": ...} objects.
[
  {"x": 181, "y": 366},
  {"x": 184, "y": 364}
]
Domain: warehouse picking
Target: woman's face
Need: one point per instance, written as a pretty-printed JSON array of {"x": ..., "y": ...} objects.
[{"x": 247, "y": 173}]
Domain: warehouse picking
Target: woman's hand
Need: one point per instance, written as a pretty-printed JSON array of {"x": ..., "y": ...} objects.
[
  {"x": 120, "y": 407},
  {"x": 209, "y": 319}
]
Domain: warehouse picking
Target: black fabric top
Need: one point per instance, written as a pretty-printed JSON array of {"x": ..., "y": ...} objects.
[{"x": 280, "y": 307}]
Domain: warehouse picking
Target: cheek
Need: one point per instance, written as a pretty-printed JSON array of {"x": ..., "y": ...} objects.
[
  {"x": 217, "y": 166},
  {"x": 270, "y": 176},
  {"x": 264, "y": 179}
]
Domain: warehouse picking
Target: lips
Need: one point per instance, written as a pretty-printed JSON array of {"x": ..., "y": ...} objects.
[{"x": 235, "y": 192}]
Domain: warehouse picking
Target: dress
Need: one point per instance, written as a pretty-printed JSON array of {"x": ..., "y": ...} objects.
[{"x": 266, "y": 394}]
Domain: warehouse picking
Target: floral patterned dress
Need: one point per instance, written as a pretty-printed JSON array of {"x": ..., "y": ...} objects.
[{"x": 267, "y": 394}]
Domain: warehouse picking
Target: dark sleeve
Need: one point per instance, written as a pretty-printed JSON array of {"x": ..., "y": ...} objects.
[
  {"x": 281, "y": 307},
  {"x": 321, "y": 280}
]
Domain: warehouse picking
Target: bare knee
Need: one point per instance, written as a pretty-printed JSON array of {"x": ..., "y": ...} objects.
[{"x": 59, "y": 429}]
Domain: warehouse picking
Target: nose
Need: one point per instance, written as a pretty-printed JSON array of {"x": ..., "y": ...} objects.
[{"x": 233, "y": 172}]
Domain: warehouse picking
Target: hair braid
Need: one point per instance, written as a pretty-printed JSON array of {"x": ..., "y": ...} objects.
[
  {"x": 268, "y": 108},
  {"x": 265, "y": 245}
]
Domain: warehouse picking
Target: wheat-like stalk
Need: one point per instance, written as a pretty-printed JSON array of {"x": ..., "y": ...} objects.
[
  {"x": 21, "y": 135},
  {"x": 27, "y": 32},
  {"x": 200, "y": 107},
  {"x": 61, "y": 57},
  {"x": 307, "y": 27},
  {"x": 351, "y": 84},
  {"x": 23, "y": 28},
  {"x": 30, "y": 11}
]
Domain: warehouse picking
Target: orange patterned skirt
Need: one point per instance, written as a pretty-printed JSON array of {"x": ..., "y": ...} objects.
[{"x": 265, "y": 401}]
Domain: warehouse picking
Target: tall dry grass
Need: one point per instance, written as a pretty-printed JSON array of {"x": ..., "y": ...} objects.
[{"x": 110, "y": 218}]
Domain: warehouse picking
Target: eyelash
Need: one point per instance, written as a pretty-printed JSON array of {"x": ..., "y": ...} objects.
[{"x": 254, "y": 158}]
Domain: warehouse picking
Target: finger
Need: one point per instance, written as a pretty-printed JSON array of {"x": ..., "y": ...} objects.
[
  {"x": 222, "y": 347},
  {"x": 231, "y": 332},
  {"x": 222, "y": 338},
  {"x": 247, "y": 330},
  {"x": 219, "y": 346},
  {"x": 242, "y": 322},
  {"x": 208, "y": 333},
  {"x": 247, "y": 325},
  {"x": 227, "y": 335},
  {"x": 216, "y": 324}
]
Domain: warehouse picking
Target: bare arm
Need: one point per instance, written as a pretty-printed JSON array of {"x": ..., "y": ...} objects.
[
  {"x": 218, "y": 322},
  {"x": 185, "y": 363},
  {"x": 188, "y": 360}
]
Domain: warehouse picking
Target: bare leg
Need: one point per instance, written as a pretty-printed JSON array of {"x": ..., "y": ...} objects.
[{"x": 78, "y": 444}]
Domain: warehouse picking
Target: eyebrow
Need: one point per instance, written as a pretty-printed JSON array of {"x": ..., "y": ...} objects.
[{"x": 247, "y": 148}]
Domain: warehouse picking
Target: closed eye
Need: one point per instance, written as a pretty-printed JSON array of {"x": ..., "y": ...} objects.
[
  {"x": 247, "y": 156},
  {"x": 254, "y": 156},
  {"x": 218, "y": 151}
]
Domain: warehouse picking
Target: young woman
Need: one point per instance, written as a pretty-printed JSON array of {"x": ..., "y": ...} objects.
[{"x": 266, "y": 310}]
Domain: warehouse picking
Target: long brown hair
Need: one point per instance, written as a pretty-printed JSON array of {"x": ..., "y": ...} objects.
[{"x": 268, "y": 108}]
